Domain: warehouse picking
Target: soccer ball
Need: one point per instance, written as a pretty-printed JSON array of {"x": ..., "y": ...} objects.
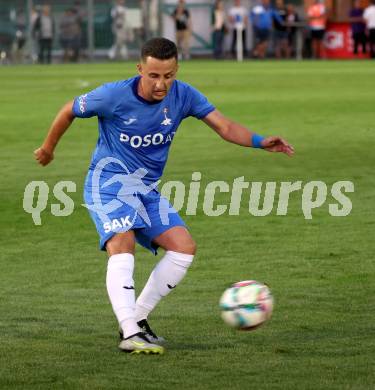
[{"x": 246, "y": 305}]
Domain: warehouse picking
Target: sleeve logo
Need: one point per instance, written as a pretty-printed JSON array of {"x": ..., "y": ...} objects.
[{"x": 82, "y": 103}]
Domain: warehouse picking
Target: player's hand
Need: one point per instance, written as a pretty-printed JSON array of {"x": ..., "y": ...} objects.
[
  {"x": 42, "y": 156},
  {"x": 277, "y": 144}
]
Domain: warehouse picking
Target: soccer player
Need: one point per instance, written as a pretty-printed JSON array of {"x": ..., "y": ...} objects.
[{"x": 137, "y": 120}]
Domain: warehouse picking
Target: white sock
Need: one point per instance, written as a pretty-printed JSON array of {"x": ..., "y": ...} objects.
[
  {"x": 120, "y": 287},
  {"x": 166, "y": 275}
]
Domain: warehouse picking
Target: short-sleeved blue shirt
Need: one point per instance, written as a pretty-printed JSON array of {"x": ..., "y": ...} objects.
[{"x": 135, "y": 131}]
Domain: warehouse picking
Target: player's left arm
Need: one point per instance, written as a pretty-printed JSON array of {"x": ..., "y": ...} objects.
[{"x": 235, "y": 133}]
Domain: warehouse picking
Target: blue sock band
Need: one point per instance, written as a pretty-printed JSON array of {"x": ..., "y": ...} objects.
[{"x": 256, "y": 141}]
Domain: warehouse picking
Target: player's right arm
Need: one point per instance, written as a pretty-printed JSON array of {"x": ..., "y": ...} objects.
[
  {"x": 99, "y": 102},
  {"x": 64, "y": 118}
]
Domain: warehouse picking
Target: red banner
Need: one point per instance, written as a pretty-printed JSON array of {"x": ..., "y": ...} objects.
[{"x": 338, "y": 42}]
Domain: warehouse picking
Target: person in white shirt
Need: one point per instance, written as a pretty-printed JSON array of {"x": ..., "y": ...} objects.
[
  {"x": 121, "y": 31},
  {"x": 369, "y": 17},
  {"x": 239, "y": 20}
]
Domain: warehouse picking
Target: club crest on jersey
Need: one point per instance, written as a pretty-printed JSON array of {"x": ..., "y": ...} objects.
[{"x": 167, "y": 121}]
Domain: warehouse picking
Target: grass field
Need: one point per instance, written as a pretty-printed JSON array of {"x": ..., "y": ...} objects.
[{"x": 57, "y": 329}]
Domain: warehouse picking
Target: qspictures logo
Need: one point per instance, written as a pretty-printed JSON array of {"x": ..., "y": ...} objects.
[{"x": 260, "y": 198}]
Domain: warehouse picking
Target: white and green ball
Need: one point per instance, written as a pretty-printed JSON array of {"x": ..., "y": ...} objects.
[{"x": 246, "y": 305}]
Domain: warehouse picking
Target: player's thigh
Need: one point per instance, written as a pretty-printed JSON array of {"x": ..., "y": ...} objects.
[
  {"x": 121, "y": 243},
  {"x": 177, "y": 239}
]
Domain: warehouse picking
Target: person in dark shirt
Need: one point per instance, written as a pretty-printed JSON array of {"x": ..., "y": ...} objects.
[
  {"x": 281, "y": 34},
  {"x": 182, "y": 20},
  {"x": 70, "y": 35},
  {"x": 291, "y": 19},
  {"x": 219, "y": 28},
  {"x": 358, "y": 26}
]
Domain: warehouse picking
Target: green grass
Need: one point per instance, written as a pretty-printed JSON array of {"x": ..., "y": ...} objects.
[{"x": 57, "y": 329}]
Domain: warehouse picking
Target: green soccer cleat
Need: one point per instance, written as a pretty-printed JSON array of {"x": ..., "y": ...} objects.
[
  {"x": 151, "y": 336},
  {"x": 140, "y": 344}
]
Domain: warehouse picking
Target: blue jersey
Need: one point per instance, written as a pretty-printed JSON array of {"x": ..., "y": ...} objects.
[
  {"x": 263, "y": 17},
  {"x": 135, "y": 131}
]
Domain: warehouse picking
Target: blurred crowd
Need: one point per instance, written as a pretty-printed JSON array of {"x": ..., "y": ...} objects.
[
  {"x": 68, "y": 31},
  {"x": 281, "y": 26},
  {"x": 274, "y": 30},
  {"x": 44, "y": 30}
]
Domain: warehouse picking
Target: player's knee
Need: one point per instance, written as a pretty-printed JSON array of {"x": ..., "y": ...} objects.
[
  {"x": 121, "y": 243},
  {"x": 185, "y": 246},
  {"x": 192, "y": 247},
  {"x": 188, "y": 247}
]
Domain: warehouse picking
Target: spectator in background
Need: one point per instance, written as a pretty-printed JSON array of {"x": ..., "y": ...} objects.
[
  {"x": 77, "y": 8},
  {"x": 262, "y": 16},
  {"x": 70, "y": 35},
  {"x": 369, "y": 17},
  {"x": 317, "y": 15},
  {"x": 44, "y": 30},
  {"x": 219, "y": 28},
  {"x": 291, "y": 19},
  {"x": 18, "y": 45},
  {"x": 34, "y": 15},
  {"x": 238, "y": 19},
  {"x": 121, "y": 32},
  {"x": 181, "y": 16},
  {"x": 358, "y": 26},
  {"x": 281, "y": 33},
  {"x": 80, "y": 14}
]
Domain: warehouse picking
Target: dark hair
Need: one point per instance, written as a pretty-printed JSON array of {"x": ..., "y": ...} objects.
[{"x": 160, "y": 48}]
